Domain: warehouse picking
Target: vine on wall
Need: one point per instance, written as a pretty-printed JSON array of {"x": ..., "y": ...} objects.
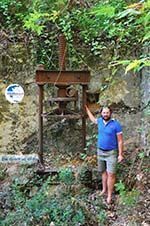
[{"x": 90, "y": 28}]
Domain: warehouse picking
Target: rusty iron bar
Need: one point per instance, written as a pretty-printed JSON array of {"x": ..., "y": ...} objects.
[
  {"x": 69, "y": 116},
  {"x": 64, "y": 116},
  {"x": 41, "y": 96},
  {"x": 61, "y": 99},
  {"x": 84, "y": 89},
  {"x": 40, "y": 152},
  {"x": 66, "y": 78}
]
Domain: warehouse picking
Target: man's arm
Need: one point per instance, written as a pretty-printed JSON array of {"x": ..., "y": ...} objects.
[
  {"x": 91, "y": 116},
  {"x": 120, "y": 146}
]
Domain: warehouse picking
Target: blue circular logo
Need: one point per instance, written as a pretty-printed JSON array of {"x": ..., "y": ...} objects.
[{"x": 14, "y": 93}]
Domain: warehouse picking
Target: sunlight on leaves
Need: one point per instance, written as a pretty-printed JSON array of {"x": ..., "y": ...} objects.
[{"x": 105, "y": 10}]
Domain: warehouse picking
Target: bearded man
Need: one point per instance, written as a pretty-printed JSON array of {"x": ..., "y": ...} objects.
[{"x": 109, "y": 148}]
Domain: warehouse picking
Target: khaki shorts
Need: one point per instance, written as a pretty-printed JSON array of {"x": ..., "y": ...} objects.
[{"x": 107, "y": 160}]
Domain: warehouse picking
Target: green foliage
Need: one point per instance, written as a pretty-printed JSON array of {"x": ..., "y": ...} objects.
[
  {"x": 127, "y": 198},
  {"x": 49, "y": 205},
  {"x": 91, "y": 139},
  {"x": 85, "y": 174},
  {"x": 145, "y": 19},
  {"x": 35, "y": 21},
  {"x": 116, "y": 25},
  {"x": 102, "y": 216},
  {"x": 66, "y": 176},
  {"x": 103, "y": 10},
  {"x": 2, "y": 173},
  {"x": 141, "y": 155},
  {"x": 65, "y": 24},
  {"x": 83, "y": 156},
  {"x": 12, "y": 13},
  {"x": 135, "y": 65}
]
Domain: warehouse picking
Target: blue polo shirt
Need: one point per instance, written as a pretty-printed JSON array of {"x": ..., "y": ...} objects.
[{"x": 107, "y": 134}]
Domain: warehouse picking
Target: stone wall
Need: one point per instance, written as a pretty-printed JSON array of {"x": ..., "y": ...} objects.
[
  {"x": 123, "y": 95},
  {"x": 145, "y": 105},
  {"x": 17, "y": 121}
]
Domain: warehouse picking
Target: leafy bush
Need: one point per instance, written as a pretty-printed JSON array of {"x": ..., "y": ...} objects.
[
  {"x": 127, "y": 198},
  {"x": 49, "y": 205},
  {"x": 95, "y": 27},
  {"x": 66, "y": 176},
  {"x": 2, "y": 172}
]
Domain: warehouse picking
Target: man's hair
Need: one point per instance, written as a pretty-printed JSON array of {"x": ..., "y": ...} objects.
[{"x": 110, "y": 109}]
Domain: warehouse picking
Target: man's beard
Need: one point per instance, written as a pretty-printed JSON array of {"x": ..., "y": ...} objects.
[{"x": 106, "y": 118}]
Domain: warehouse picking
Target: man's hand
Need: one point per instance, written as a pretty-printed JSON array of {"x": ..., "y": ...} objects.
[
  {"x": 86, "y": 107},
  {"x": 120, "y": 158},
  {"x": 91, "y": 116}
]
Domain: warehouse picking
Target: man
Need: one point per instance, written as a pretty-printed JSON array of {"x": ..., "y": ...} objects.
[{"x": 110, "y": 148}]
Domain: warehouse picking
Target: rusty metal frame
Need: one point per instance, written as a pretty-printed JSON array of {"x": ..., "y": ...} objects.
[
  {"x": 61, "y": 79},
  {"x": 41, "y": 115}
]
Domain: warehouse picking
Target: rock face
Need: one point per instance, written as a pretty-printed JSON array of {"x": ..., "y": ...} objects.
[
  {"x": 19, "y": 122},
  {"x": 122, "y": 93},
  {"x": 145, "y": 103}
]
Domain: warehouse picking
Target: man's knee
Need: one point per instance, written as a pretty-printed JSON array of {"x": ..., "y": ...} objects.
[{"x": 111, "y": 175}]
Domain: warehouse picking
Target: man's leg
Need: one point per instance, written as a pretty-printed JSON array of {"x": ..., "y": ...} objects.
[
  {"x": 104, "y": 182},
  {"x": 111, "y": 179},
  {"x": 111, "y": 174},
  {"x": 102, "y": 170}
]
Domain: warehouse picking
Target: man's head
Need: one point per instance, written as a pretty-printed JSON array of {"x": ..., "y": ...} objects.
[{"x": 106, "y": 113}]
